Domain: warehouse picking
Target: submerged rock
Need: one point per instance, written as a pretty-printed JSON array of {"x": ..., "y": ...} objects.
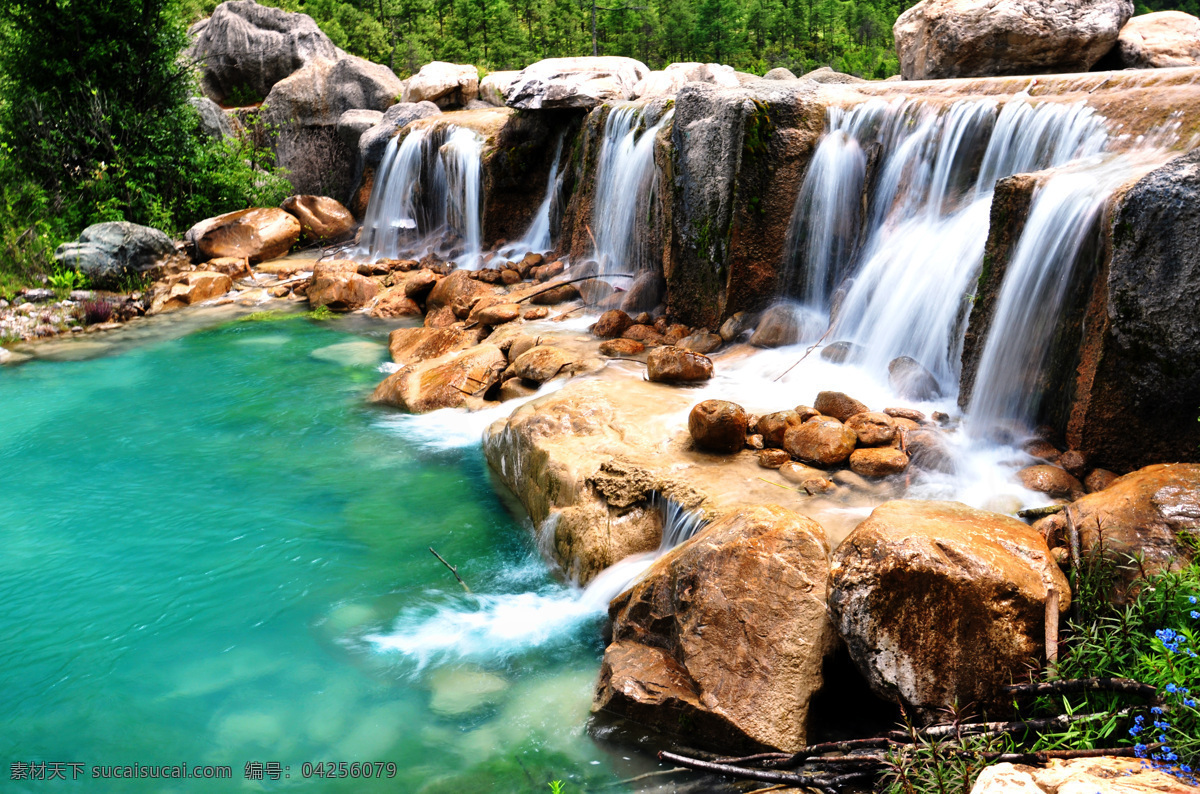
[
  {"x": 942, "y": 604},
  {"x": 911, "y": 380},
  {"x": 722, "y": 641}
]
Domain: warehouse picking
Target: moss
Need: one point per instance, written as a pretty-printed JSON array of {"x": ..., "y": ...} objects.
[{"x": 758, "y": 129}]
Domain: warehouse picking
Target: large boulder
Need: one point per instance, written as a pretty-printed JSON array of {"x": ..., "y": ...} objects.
[
  {"x": 372, "y": 143},
  {"x": 213, "y": 121},
  {"x": 410, "y": 345},
  {"x": 980, "y": 38},
  {"x": 107, "y": 251},
  {"x": 338, "y": 285},
  {"x": 823, "y": 442},
  {"x": 1153, "y": 513},
  {"x": 322, "y": 219},
  {"x": 677, "y": 75},
  {"x": 256, "y": 234},
  {"x": 723, "y": 639},
  {"x": 493, "y": 89},
  {"x": 306, "y": 108},
  {"x": 943, "y": 604},
  {"x": 1139, "y": 374},
  {"x": 575, "y": 82},
  {"x": 1159, "y": 40},
  {"x": 245, "y": 49},
  {"x": 353, "y": 123},
  {"x": 447, "y": 85},
  {"x": 446, "y": 382},
  {"x": 187, "y": 289},
  {"x": 718, "y": 426}
]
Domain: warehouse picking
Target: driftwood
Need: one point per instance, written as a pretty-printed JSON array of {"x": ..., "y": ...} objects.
[
  {"x": 1124, "y": 686},
  {"x": 813, "y": 347},
  {"x": 453, "y": 569},
  {"x": 765, "y": 775}
]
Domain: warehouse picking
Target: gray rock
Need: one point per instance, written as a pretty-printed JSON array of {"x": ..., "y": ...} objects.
[
  {"x": 447, "y": 85},
  {"x": 106, "y": 251},
  {"x": 676, "y": 75},
  {"x": 245, "y": 49},
  {"x": 353, "y": 123},
  {"x": 1161, "y": 40},
  {"x": 373, "y": 142},
  {"x": 40, "y": 295},
  {"x": 213, "y": 121},
  {"x": 779, "y": 73},
  {"x": 576, "y": 82},
  {"x": 912, "y": 380},
  {"x": 494, "y": 87},
  {"x": 828, "y": 75},
  {"x": 644, "y": 293}
]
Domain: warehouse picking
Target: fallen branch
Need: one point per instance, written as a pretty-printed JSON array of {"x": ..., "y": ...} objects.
[
  {"x": 764, "y": 775},
  {"x": 1125, "y": 686},
  {"x": 453, "y": 569},
  {"x": 999, "y": 728},
  {"x": 557, "y": 284},
  {"x": 811, "y": 348},
  {"x": 803, "y": 754}
]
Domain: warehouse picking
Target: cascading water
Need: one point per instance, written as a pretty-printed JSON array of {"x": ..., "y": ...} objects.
[
  {"x": 492, "y": 626},
  {"x": 427, "y": 198},
  {"x": 626, "y": 191},
  {"x": 926, "y": 218},
  {"x": 538, "y": 237}
]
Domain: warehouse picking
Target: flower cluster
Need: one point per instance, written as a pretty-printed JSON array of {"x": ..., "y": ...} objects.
[
  {"x": 1172, "y": 639},
  {"x": 1176, "y": 698}
]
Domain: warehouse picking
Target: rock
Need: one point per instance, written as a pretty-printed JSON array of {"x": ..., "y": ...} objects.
[
  {"x": 699, "y": 651},
  {"x": 372, "y": 143},
  {"x": 353, "y": 123},
  {"x": 621, "y": 347},
  {"x": 1040, "y": 448},
  {"x": 878, "y": 461},
  {"x": 675, "y": 332},
  {"x": 644, "y": 334},
  {"x": 644, "y": 293},
  {"x": 777, "y": 327},
  {"x": 735, "y": 326},
  {"x": 1149, "y": 513},
  {"x": 838, "y": 405},
  {"x": 673, "y": 365},
  {"x": 825, "y": 442},
  {"x": 539, "y": 364},
  {"x": 393, "y": 303},
  {"x": 493, "y": 89},
  {"x": 1050, "y": 480},
  {"x": 234, "y": 267},
  {"x": 1099, "y": 479},
  {"x": 255, "y": 234},
  {"x": 940, "y": 603},
  {"x": 911, "y": 414},
  {"x": 701, "y": 342},
  {"x": 537, "y": 313},
  {"x": 245, "y": 49},
  {"x": 444, "y": 382},
  {"x": 322, "y": 219},
  {"x": 418, "y": 285},
  {"x": 774, "y": 426},
  {"x": 555, "y": 295},
  {"x": 575, "y": 82},
  {"x": 498, "y": 314},
  {"x": 213, "y": 121},
  {"x": 779, "y": 73},
  {"x": 841, "y": 352},
  {"x": 965, "y": 38},
  {"x": 410, "y": 345},
  {"x": 909, "y": 378},
  {"x": 447, "y": 85},
  {"x": 668, "y": 82},
  {"x": 873, "y": 429},
  {"x": 338, "y": 285},
  {"x": 105, "y": 252},
  {"x": 515, "y": 389},
  {"x": 612, "y": 324},
  {"x": 927, "y": 449},
  {"x": 188, "y": 289},
  {"x": 1104, "y": 775},
  {"x": 773, "y": 458},
  {"x": 718, "y": 426},
  {"x": 807, "y": 478},
  {"x": 1075, "y": 462},
  {"x": 1159, "y": 40},
  {"x": 457, "y": 691},
  {"x": 826, "y": 74},
  {"x": 455, "y": 287}
]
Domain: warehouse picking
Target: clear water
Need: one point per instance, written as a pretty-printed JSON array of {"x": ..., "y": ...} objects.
[{"x": 201, "y": 535}]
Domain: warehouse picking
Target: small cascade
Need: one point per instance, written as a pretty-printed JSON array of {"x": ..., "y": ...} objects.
[
  {"x": 498, "y": 626},
  {"x": 902, "y": 286},
  {"x": 427, "y": 198},
  {"x": 626, "y": 192},
  {"x": 538, "y": 237}
]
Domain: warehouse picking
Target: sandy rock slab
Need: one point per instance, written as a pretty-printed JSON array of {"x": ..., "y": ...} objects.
[{"x": 1079, "y": 776}]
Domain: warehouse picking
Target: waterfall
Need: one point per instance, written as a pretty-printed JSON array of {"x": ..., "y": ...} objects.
[
  {"x": 901, "y": 287},
  {"x": 538, "y": 237},
  {"x": 626, "y": 191},
  {"x": 427, "y": 198}
]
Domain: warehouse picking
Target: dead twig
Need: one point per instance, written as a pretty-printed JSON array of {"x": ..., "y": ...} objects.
[
  {"x": 765, "y": 775},
  {"x": 453, "y": 569},
  {"x": 811, "y": 348},
  {"x": 1000, "y": 728},
  {"x": 556, "y": 284},
  {"x": 1125, "y": 686}
]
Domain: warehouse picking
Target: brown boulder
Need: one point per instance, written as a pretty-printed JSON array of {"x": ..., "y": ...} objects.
[
  {"x": 410, "y": 345},
  {"x": 394, "y": 303},
  {"x": 773, "y": 458},
  {"x": 673, "y": 365},
  {"x": 878, "y": 461},
  {"x": 773, "y": 426},
  {"x": 911, "y": 414},
  {"x": 188, "y": 289},
  {"x": 338, "y": 285},
  {"x": 322, "y": 219},
  {"x": 1075, "y": 462},
  {"x": 232, "y": 266},
  {"x": 838, "y": 405},
  {"x": 555, "y": 295},
  {"x": 537, "y": 313},
  {"x": 942, "y": 604},
  {"x": 621, "y": 347},
  {"x": 873, "y": 429},
  {"x": 497, "y": 314},
  {"x": 458, "y": 286},
  {"x": 1099, "y": 479},
  {"x": 701, "y": 342},
  {"x": 418, "y": 285},
  {"x": 255, "y": 234},
  {"x": 440, "y": 318},
  {"x": 612, "y": 324},
  {"x": 825, "y": 442},
  {"x": 644, "y": 334},
  {"x": 722, "y": 641},
  {"x": 718, "y": 426},
  {"x": 1050, "y": 480},
  {"x": 539, "y": 364},
  {"x": 442, "y": 383}
]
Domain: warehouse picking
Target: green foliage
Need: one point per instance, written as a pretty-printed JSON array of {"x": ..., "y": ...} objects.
[
  {"x": 64, "y": 280},
  {"x": 556, "y": 787},
  {"x": 321, "y": 313},
  {"x": 937, "y": 766}
]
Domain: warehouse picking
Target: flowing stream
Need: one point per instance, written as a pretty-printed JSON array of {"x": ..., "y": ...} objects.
[{"x": 201, "y": 533}]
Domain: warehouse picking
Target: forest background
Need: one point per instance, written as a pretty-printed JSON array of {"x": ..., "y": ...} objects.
[{"x": 95, "y": 123}]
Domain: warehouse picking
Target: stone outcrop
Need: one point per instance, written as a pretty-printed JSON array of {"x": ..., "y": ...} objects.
[
  {"x": 583, "y": 82},
  {"x": 942, "y": 603},
  {"x": 446, "y": 382},
  {"x": 493, "y": 88},
  {"x": 338, "y": 285},
  {"x": 677, "y": 75},
  {"x": 256, "y": 234},
  {"x": 187, "y": 289},
  {"x": 1105, "y": 775},
  {"x": 107, "y": 251},
  {"x": 1159, "y": 40},
  {"x": 722, "y": 641},
  {"x": 353, "y": 123},
  {"x": 322, "y": 219},
  {"x": 971, "y": 38},
  {"x": 213, "y": 121},
  {"x": 245, "y": 49},
  {"x": 447, "y": 85}
]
